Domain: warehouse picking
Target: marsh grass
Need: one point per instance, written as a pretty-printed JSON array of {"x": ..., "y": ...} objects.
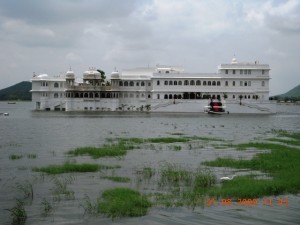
[
  {"x": 168, "y": 140},
  {"x": 123, "y": 202},
  {"x": 61, "y": 189},
  {"x": 46, "y": 207},
  {"x": 148, "y": 172},
  {"x": 175, "y": 147},
  {"x": 69, "y": 168},
  {"x": 15, "y": 156},
  {"x": 117, "y": 179},
  {"x": 281, "y": 163},
  {"x": 26, "y": 189},
  {"x": 18, "y": 213},
  {"x": 175, "y": 175}
]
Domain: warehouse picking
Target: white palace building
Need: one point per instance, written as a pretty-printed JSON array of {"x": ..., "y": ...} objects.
[{"x": 244, "y": 86}]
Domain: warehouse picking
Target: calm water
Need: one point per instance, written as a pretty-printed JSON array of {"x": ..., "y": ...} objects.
[{"x": 49, "y": 135}]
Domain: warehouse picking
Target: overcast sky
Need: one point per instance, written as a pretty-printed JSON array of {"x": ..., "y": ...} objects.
[{"x": 49, "y": 36}]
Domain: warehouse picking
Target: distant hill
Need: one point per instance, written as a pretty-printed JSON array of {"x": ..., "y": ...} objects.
[
  {"x": 292, "y": 95},
  {"x": 19, "y": 91}
]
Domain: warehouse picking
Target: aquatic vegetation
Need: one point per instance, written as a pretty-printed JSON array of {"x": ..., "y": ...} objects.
[
  {"x": 168, "y": 140},
  {"x": 61, "y": 188},
  {"x": 123, "y": 202},
  {"x": 282, "y": 163},
  {"x": 18, "y": 213},
  {"x": 175, "y": 147},
  {"x": 174, "y": 174},
  {"x": 204, "y": 179},
  {"x": 89, "y": 206},
  {"x": 46, "y": 207},
  {"x": 26, "y": 189},
  {"x": 15, "y": 156},
  {"x": 148, "y": 172},
  {"x": 117, "y": 179},
  {"x": 69, "y": 168}
]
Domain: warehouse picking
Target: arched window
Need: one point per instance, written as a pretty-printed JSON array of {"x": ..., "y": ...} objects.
[
  {"x": 166, "y": 96},
  {"x": 175, "y": 82},
  {"x": 120, "y": 83},
  {"x": 263, "y": 83},
  {"x": 131, "y": 83},
  {"x": 180, "y": 82},
  {"x": 158, "y": 96},
  {"x": 56, "y": 85},
  {"x": 126, "y": 83},
  {"x": 142, "y": 83},
  {"x": 192, "y": 82},
  {"x": 233, "y": 96},
  {"x": 170, "y": 96},
  {"x": 226, "y": 83},
  {"x": 198, "y": 82},
  {"x": 157, "y": 82},
  {"x": 214, "y": 83},
  {"x": 209, "y": 83},
  {"x": 186, "y": 82},
  {"x": 166, "y": 82},
  {"x": 55, "y": 95},
  {"x": 233, "y": 83},
  {"x": 137, "y": 84},
  {"x": 149, "y": 96},
  {"x": 86, "y": 95},
  {"x": 170, "y": 82},
  {"x": 218, "y": 83}
]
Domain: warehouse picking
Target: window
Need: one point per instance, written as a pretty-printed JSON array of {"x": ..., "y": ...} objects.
[
  {"x": 170, "y": 82},
  {"x": 170, "y": 96},
  {"x": 55, "y": 95},
  {"x": 214, "y": 83},
  {"x": 245, "y": 71},
  {"x": 166, "y": 96},
  {"x": 120, "y": 83},
  {"x": 192, "y": 82},
  {"x": 233, "y": 71},
  {"x": 131, "y": 84},
  {"x": 167, "y": 71},
  {"x": 263, "y": 83},
  {"x": 245, "y": 83},
  {"x": 249, "y": 71},
  {"x": 262, "y": 72},
  {"x": 157, "y": 82},
  {"x": 175, "y": 82},
  {"x": 233, "y": 83},
  {"x": 186, "y": 82},
  {"x": 137, "y": 84},
  {"x": 56, "y": 85},
  {"x": 149, "y": 96},
  {"x": 142, "y": 83},
  {"x": 149, "y": 84},
  {"x": 233, "y": 96},
  {"x": 209, "y": 83},
  {"x": 180, "y": 82},
  {"x": 218, "y": 83},
  {"x": 158, "y": 96},
  {"x": 204, "y": 83},
  {"x": 226, "y": 71},
  {"x": 126, "y": 83},
  {"x": 166, "y": 82},
  {"x": 241, "y": 71},
  {"x": 226, "y": 83},
  {"x": 198, "y": 82}
]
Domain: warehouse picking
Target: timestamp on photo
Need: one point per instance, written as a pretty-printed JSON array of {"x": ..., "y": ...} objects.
[{"x": 267, "y": 201}]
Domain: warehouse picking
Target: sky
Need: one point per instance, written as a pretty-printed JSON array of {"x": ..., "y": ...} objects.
[{"x": 50, "y": 36}]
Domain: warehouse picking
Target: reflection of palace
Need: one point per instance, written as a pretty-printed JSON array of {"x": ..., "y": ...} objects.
[{"x": 244, "y": 86}]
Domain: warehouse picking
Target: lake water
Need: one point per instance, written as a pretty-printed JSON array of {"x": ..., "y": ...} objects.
[{"x": 49, "y": 135}]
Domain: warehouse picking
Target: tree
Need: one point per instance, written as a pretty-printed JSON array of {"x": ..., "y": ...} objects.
[
  {"x": 103, "y": 77},
  {"x": 148, "y": 107}
]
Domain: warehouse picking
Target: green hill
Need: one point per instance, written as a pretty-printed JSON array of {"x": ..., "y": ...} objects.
[
  {"x": 292, "y": 95},
  {"x": 19, "y": 91}
]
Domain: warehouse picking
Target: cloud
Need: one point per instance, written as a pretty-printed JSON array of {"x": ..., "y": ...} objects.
[{"x": 282, "y": 17}]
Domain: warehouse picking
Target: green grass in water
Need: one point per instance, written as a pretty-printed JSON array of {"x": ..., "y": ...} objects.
[
  {"x": 117, "y": 179},
  {"x": 282, "y": 163},
  {"x": 69, "y": 168},
  {"x": 168, "y": 140},
  {"x": 123, "y": 202}
]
